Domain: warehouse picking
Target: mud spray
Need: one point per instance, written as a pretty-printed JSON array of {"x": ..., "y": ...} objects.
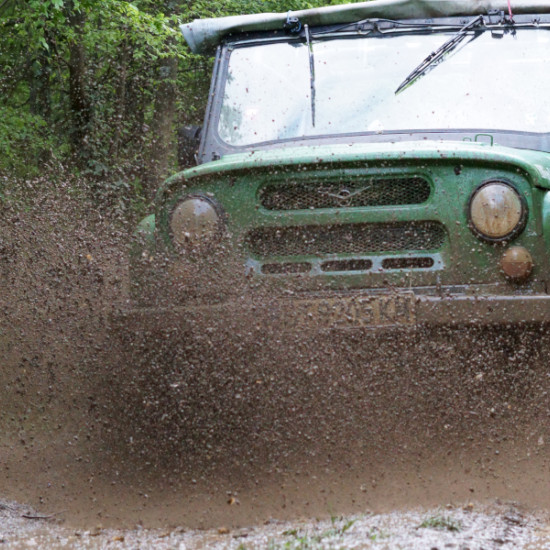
[{"x": 244, "y": 421}]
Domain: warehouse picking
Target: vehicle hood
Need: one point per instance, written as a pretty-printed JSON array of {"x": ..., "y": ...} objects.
[{"x": 535, "y": 163}]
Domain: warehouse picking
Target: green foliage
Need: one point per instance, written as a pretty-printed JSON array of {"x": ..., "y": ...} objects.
[
  {"x": 441, "y": 523},
  {"x": 83, "y": 82},
  {"x": 377, "y": 535},
  {"x": 312, "y": 541},
  {"x": 23, "y": 138}
]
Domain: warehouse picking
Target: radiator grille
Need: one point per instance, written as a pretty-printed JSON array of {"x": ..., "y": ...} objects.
[
  {"x": 347, "y": 265},
  {"x": 345, "y": 239},
  {"x": 287, "y": 268},
  {"x": 356, "y": 193},
  {"x": 407, "y": 263}
]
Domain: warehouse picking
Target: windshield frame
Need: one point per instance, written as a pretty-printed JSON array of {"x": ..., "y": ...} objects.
[{"x": 212, "y": 147}]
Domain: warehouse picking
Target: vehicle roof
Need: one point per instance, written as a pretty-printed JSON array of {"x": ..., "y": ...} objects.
[{"x": 203, "y": 35}]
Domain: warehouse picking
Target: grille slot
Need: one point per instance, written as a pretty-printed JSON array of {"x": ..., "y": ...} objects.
[
  {"x": 346, "y": 265},
  {"x": 407, "y": 263},
  {"x": 357, "y": 238},
  {"x": 286, "y": 268},
  {"x": 355, "y": 193}
]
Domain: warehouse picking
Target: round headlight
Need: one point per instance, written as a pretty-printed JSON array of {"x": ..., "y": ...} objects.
[
  {"x": 497, "y": 211},
  {"x": 195, "y": 221}
]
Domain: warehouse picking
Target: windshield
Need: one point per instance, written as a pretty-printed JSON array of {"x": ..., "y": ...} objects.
[{"x": 491, "y": 81}]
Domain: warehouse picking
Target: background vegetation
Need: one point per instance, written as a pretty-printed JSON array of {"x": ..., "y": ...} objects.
[{"x": 97, "y": 88}]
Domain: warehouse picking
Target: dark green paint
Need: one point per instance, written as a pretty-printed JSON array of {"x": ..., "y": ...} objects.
[{"x": 466, "y": 260}]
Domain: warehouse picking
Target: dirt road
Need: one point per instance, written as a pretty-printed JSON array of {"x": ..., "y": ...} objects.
[{"x": 468, "y": 528}]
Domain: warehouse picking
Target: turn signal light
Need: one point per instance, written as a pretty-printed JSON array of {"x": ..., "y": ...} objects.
[{"x": 517, "y": 263}]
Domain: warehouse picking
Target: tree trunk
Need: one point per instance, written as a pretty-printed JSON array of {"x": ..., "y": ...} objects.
[
  {"x": 162, "y": 144},
  {"x": 120, "y": 98},
  {"x": 40, "y": 102},
  {"x": 39, "y": 85},
  {"x": 81, "y": 113}
]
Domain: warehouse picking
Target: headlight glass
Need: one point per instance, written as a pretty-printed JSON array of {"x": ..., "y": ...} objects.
[
  {"x": 497, "y": 212},
  {"x": 195, "y": 221}
]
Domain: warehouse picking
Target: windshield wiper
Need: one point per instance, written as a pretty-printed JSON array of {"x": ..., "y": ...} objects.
[
  {"x": 311, "y": 73},
  {"x": 434, "y": 57},
  {"x": 294, "y": 26}
]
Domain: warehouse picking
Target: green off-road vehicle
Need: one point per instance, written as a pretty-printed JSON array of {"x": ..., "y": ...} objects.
[{"x": 379, "y": 164}]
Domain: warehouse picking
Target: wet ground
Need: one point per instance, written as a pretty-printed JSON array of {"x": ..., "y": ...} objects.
[
  {"x": 229, "y": 437},
  {"x": 468, "y": 528}
]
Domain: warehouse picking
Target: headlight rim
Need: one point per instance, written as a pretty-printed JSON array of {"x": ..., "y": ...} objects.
[
  {"x": 203, "y": 245},
  {"x": 520, "y": 226}
]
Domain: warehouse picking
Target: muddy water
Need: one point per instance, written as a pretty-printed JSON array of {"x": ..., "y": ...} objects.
[{"x": 108, "y": 426}]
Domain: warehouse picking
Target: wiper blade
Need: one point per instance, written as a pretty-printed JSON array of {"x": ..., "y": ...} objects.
[
  {"x": 311, "y": 73},
  {"x": 434, "y": 57}
]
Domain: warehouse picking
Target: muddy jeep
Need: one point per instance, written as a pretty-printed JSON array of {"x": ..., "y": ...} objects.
[{"x": 381, "y": 164}]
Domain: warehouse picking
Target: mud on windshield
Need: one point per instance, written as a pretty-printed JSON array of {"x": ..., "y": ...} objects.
[{"x": 349, "y": 83}]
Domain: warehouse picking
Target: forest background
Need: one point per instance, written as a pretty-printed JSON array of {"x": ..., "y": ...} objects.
[{"x": 96, "y": 89}]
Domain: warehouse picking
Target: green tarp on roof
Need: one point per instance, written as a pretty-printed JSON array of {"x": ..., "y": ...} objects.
[{"x": 203, "y": 35}]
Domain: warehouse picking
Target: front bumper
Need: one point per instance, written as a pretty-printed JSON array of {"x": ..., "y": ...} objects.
[{"x": 342, "y": 312}]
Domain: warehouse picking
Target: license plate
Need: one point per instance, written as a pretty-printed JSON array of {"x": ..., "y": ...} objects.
[{"x": 355, "y": 311}]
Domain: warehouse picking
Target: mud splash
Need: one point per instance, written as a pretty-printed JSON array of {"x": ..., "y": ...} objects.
[{"x": 121, "y": 427}]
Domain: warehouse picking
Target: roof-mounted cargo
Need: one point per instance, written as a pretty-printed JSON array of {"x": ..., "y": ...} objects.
[{"x": 203, "y": 35}]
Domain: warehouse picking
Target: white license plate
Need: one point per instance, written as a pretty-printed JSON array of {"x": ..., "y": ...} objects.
[{"x": 355, "y": 311}]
